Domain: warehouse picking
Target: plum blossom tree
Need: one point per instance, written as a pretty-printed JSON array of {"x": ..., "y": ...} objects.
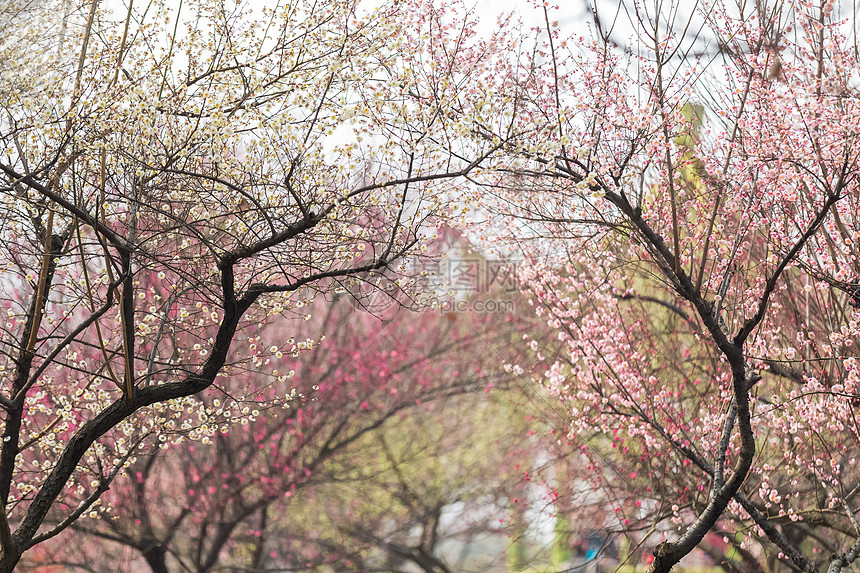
[
  {"x": 692, "y": 200},
  {"x": 240, "y": 496},
  {"x": 174, "y": 176},
  {"x": 382, "y": 429}
]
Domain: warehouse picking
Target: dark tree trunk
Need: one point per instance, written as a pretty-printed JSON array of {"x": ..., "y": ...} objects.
[
  {"x": 9, "y": 561},
  {"x": 155, "y": 556}
]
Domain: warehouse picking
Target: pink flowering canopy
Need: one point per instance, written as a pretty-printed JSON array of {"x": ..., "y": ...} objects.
[
  {"x": 689, "y": 207},
  {"x": 319, "y": 479}
]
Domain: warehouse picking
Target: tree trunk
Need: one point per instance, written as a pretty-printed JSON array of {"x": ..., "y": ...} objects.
[
  {"x": 155, "y": 556},
  {"x": 9, "y": 561}
]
